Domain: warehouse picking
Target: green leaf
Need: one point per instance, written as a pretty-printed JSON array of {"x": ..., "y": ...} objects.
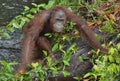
[
  {"x": 33, "y": 10},
  {"x": 105, "y": 58},
  {"x": 71, "y": 47},
  {"x": 91, "y": 74},
  {"x": 50, "y": 4},
  {"x": 16, "y": 25},
  {"x": 54, "y": 70},
  {"x": 117, "y": 59},
  {"x": 114, "y": 68},
  {"x": 11, "y": 29},
  {"x": 66, "y": 63},
  {"x": 49, "y": 60},
  {"x": 34, "y": 4},
  {"x": 26, "y": 8},
  {"x": 13, "y": 63},
  {"x": 42, "y": 5},
  {"x": 30, "y": 16},
  {"x": 61, "y": 49},
  {"x": 66, "y": 73},
  {"x": 118, "y": 46},
  {"x": 111, "y": 51},
  {"x": 34, "y": 64},
  {"x": 110, "y": 43},
  {"x": 44, "y": 52},
  {"x": 81, "y": 59},
  {"x": 41, "y": 77},
  {"x": 22, "y": 24},
  {"x": 118, "y": 36},
  {"x": 6, "y": 35},
  {"x": 55, "y": 47},
  {"x": 98, "y": 51},
  {"x": 111, "y": 59},
  {"x": 3, "y": 62},
  {"x": 48, "y": 34},
  {"x": 118, "y": 68}
]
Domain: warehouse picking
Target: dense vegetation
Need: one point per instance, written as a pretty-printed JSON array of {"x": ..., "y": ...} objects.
[{"x": 102, "y": 14}]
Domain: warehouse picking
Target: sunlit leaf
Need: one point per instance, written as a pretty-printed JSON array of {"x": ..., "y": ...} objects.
[
  {"x": 6, "y": 35},
  {"x": 26, "y": 8},
  {"x": 48, "y": 34},
  {"x": 90, "y": 74},
  {"x": 16, "y": 25},
  {"x": 110, "y": 43},
  {"x": 111, "y": 51},
  {"x": 34, "y": 4},
  {"x": 66, "y": 73},
  {"x": 45, "y": 52},
  {"x": 55, "y": 47},
  {"x": 34, "y": 65},
  {"x": 105, "y": 58},
  {"x": 49, "y": 61},
  {"x": 11, "y": 29},
  {"x": 50, "y": 4},
  {"x": 66, "y": 63},
  {"x": 71, "y": 47},
  {"x": 42, "y": 5},
  {"x": 111, "y": 59},
  {"x": 118, "y": 68},
  {"x": 117, "y": 59},
  {"x": 30, "y": 16},
  {"x": 33, "y": 10},
  {"x": 118, "y": 36},
  {"x": 118, "y": 46},
  {"x": 114, "y": 68}
]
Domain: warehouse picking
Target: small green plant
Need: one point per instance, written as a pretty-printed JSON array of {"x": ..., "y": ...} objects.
[
  {"x": 107, "y": 67},
  {"x": 6, "y": 72},
  {"x": 108, "y": 26}
]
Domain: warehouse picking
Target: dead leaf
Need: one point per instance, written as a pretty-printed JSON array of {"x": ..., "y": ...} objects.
[
  {"x": 99, "y": 22},
  {"x": 105, "y": 17},
  {"x": 112, "y": 17},
  {"x": 91, "y": 23}
]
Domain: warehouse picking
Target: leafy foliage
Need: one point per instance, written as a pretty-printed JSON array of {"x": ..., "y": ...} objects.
[
  {"x": 42, "y": 72},
  {"x": 106, "y": 67},
  {"x": 6, "y": 72},
  {"x": 58, "y": 44},
  {"x": 19, "y": 21}
]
